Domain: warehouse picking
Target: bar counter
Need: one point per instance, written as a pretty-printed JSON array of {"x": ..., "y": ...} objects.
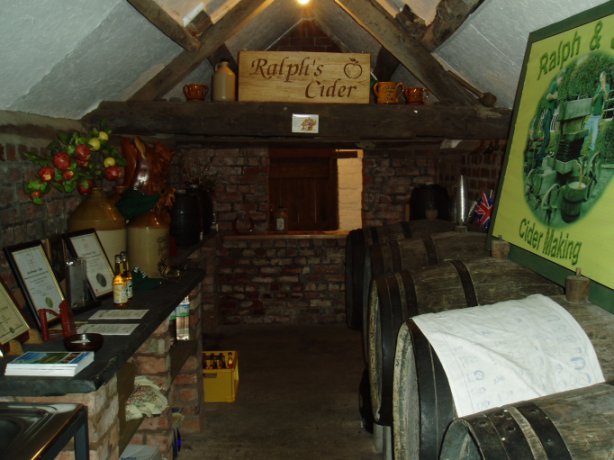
[{"x": 115, "y": 351}]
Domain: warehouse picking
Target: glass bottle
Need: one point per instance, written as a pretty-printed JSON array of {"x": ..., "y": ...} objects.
[
  {"x": 281, "y": 220},
  {"x": 120, "y": 295},
  {"x": 127, "y": 273}
]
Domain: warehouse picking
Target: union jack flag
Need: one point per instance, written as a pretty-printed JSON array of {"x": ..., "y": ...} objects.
[{"x": 483, "y": 211}]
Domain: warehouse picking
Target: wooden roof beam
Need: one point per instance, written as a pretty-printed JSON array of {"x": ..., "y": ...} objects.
[
  {"x": 158, "y": 16},
  {"x": 213, "y": 38},
  {"x": 409, "y": 51}
]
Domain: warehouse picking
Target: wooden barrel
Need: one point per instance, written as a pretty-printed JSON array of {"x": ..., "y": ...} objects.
[
  {"x": 423, "y": 406},
  {"x": 453, "y": 284},
  {"x": 356, "y": 245},
  {"x": 564, "y": 426},
  {"x": 356, "y": 252},
  {"x": 418, "y": 252}
]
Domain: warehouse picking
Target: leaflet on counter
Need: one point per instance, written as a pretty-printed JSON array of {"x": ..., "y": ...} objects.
[
  {"x": 129, "y": 314},
  {"x": 108, "y": 329}
]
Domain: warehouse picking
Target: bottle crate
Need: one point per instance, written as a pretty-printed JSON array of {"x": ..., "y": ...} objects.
[{"x": 220, "y": 375}]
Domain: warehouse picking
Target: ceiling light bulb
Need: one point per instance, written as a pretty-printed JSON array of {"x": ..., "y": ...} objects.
[{"x": 303, "y": 2}]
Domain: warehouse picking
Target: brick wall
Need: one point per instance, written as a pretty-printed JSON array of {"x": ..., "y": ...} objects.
[
  {"x": 389, "y": 177},
  {"x": 282, "y": 280},
  {"x": 481, "y": 168},
  {"x": 21, "y": 220},
  {"x": 306, "y": 36}
]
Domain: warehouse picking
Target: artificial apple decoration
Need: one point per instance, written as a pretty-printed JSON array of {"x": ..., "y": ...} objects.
[
  {"x": 46, "y": 173},
  {"x": 61, "y": 160},
  {"x": 83, "y": 152},
  {"x": 84, "y": 187},
  {"x": 68, "y": 174},
  {"x": 112, "y": 173}
]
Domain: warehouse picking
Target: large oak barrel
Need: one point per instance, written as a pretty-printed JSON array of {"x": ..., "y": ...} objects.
[
  {"x": 356, "y": 245},
  {"x": 423, "y": 406},
  {"x": 412, "y": 253},
  {"x": 452, "y": 284},
  {"x": 575, "y": 424}
]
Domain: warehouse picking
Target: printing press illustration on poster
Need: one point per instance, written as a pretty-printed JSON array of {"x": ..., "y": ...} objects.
[{"x": 556, "y": 194}]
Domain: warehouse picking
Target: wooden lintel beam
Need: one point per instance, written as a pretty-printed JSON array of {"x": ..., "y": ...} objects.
[
  {"x": 155, "y": 14},
  {"x": 273, "y": 120},
  {"x": 410, "y": 52},
  {"x": 214, "y": 37}
]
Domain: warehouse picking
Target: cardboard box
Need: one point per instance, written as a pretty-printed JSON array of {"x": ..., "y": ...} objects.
[{"x": 220, "y": 375}]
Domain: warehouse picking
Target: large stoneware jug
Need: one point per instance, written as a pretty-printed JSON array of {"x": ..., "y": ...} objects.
[{"x": 224, "y": 82}]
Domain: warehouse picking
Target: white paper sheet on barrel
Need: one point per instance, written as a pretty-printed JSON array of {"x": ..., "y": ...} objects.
[{"x": 510, "y": 351}]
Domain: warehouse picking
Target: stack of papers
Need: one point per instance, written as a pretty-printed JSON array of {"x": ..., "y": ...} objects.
[{"x": 50, "y": 363}]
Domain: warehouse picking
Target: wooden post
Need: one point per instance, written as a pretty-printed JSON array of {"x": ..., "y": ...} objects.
[
  {"x": 500, "y": 249},
  {"x": 576, "y": 287}
]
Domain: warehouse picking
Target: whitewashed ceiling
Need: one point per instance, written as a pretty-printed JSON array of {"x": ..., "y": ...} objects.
[{"x": 62, "y": 58}]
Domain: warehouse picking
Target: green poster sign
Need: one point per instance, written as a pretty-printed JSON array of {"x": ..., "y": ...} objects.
[{"x": 556, "y": 197}]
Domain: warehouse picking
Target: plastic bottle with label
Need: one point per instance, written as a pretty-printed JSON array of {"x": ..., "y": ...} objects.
[{"x": 224, "y": 82}]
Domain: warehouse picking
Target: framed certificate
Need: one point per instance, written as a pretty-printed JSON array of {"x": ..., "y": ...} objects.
[
  {"x": 86, "y": 245},
  {"x": 12, "y": 323},
  {"x": 36, "y": 279}
]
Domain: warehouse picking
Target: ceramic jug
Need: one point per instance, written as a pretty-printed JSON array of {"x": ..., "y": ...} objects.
[
  {"x": 388, "y": 92},
  {"x": 224, "y": 81}
]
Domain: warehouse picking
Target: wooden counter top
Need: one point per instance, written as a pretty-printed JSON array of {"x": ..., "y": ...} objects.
[{"x": 115, "y": 351}]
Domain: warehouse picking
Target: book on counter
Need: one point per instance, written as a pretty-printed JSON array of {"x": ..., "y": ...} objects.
[{"x": 50, "y": 363}]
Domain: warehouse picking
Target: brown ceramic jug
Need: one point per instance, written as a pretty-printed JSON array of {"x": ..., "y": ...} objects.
[{"x": 388, "y": 92}]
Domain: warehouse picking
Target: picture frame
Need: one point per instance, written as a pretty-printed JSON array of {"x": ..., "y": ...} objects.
[
  {"x": 35, "y": 277},
  {"x": 12, "y": 322},
  {"x": 555, "y": 193},
  {"x": 86, "y": 245}
]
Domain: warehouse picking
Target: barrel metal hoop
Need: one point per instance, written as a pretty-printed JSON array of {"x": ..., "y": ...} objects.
[
  {"x": 431, "y": 250},
  {"x": 466, "y": 282},
  {"x": 396, "y": 259},
  {"x": 545, "y": 430},
  {"x": 510, "y": 434},
  {"x": 435, "y": 397},
  {"x": 409, "y": 294},
  {"x": 486, "y": 436},
  {"x": 389, "y": 320}
]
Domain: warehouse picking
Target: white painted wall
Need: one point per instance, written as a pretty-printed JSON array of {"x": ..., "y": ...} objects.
[{"x": 349, "y": 172}]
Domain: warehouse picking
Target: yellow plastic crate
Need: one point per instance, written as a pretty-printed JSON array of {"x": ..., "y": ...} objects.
[{"x": 220, "y": 375}]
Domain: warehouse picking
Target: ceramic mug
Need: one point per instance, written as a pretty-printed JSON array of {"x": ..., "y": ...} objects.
[
  {"x": 415, "y": 94},
  {"x": 388, "y": 92},
  {"x": 195, "y": 91}
]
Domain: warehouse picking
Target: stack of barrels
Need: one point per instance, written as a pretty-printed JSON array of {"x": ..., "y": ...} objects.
[{"x": 395, "y": 273}]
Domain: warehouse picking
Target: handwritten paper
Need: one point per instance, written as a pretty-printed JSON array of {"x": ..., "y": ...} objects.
[
  {"x": 510, "y": 351},
  {"x": 108, "y": 329},
  {"x": 118, "y": 314}
]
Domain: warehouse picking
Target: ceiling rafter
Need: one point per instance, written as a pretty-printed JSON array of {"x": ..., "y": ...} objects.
[
  {"x": 158, "y": 16},
  {"x": 165, "y": 80},
  {"x": 449, "y": 17},
  {"x": 409, "y": 51}
]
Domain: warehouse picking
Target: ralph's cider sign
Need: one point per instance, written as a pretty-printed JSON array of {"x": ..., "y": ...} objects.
[{"x": 280, "y": 76}]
